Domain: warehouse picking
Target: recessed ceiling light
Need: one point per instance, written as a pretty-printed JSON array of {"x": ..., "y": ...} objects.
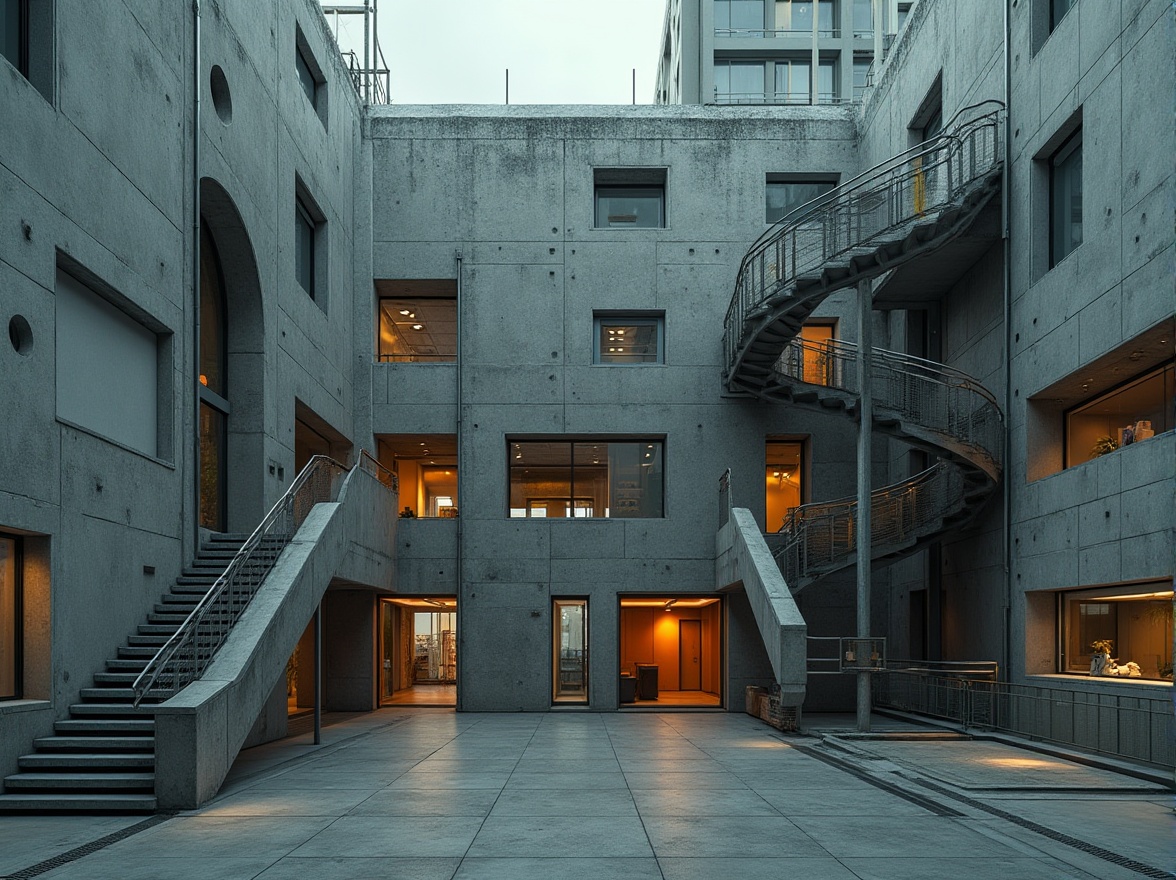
[
  {"x": 418, "y": 326},
  {"x": 404, "y": 311}
]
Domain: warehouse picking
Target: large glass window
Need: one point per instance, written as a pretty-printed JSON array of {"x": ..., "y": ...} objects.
[
  {"x": 784, "y": 477},
  {"x": 1065, "y": 199},
  {"x": 797, "y": 16},
  {"x": 782, "y": 195},
  {"x": 793, "y": 85},
  {"x": 1134, "y": 624},
  {"x": 625, "y": 339},
  {"x": 739, "y": 18},
  {"x": 1131, "y": 413},
  {"x": 861, "y": 76},
  {"x": 569, "y": 650},
  {"x": 418, "y": 330},
  {"x": 426, "y": 469},
  {"x": 739, "y": 82},
  {"x": 14, "y": 33},
  {"x": 585, "y": 478},
  {"x": 10, "y": 618},
  {"x": 306, "y": 77},
  {"x": 863, "y": 18}
]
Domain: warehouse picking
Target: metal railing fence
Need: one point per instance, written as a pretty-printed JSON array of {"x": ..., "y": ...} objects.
[
  {"x": 817, "y": 537},
  {"x": 862, "y": 212},
  {"x": 188, "y": 652},
  {"x": 1136, "y": 727},
  {"x": 925, "y": 393}
]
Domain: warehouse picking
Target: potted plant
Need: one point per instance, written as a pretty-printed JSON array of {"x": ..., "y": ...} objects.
[
  {"x": 1101, "y": 656},
  {"x": 1103, "y": 445}
]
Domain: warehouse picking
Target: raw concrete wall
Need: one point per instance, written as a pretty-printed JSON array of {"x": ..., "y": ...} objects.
[{"x": 512, "y": 190}]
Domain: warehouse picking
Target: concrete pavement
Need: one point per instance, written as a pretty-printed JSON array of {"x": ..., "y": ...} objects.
[{"x": 433, "y": 794}]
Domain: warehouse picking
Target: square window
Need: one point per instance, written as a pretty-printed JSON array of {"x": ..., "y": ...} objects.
[
  {"x": 628, "y": 339},
  {"x": 417, "y": 322},
  {"x": 1065, "y": 199},
  {"x": 739, "y": 82},
  {"x": 739, "y": 18},
  {"x": 783, "y": 195}
]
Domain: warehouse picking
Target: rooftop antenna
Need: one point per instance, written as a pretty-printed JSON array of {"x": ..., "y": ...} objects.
[
  {"x": 634, "y": 86},
  {"x": 508, "y": 85}
]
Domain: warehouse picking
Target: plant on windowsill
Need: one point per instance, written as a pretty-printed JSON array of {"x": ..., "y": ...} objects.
[
  {"x": 1101, "y": 656},
  {"x": 1103, "y": 445}
]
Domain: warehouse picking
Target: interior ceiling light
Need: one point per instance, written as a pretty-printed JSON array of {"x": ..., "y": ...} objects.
[
  {"x": 404, "y": 311},
  {"x": 418, "y": 326}
]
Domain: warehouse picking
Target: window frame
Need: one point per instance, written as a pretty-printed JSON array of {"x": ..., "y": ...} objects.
[
  {"x": 1061, "y": 192},
  {"x": 635, "y": 189},
  {"x": 618, "y": 179},
  {"x": 1114, "y": 594},
  {"x": 601, "y": 320},
  {"x": 557, "y": 669},
  {"x": 308, "y": 215},
  {"x": 801, "y": 441},
  {"x": 1160, "y": 370},
  {"x": 312, "y": 80},
  {"x": 575, "y": 493},
  {"x": 772, "y": 178}
]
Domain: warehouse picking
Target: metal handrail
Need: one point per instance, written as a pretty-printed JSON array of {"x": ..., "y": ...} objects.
[
  {"x": 931, "y": 395},
  {"x": 188, "y": 652},
  {"x": 870, "y": 207}
]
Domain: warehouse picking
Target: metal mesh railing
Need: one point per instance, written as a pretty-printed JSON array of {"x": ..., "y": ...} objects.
[
  {"x": 873, "y": 207},
  {"x": 185, "y": 656},
  {"x": 817, "y": 538},
  {"x": 1139, "y": 727},
  {"x": 924, "y": 393}
]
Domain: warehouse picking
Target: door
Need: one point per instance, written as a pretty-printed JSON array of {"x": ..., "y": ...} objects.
[
  {"x": 690, "y": 655},
  {"x": 569, "y": 671}
]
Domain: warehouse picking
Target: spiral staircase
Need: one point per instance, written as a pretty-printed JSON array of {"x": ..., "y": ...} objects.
[{"x": 929, "y": 204}]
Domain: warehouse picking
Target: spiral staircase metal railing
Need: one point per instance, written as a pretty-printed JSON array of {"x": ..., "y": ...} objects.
[{"x": 909, "y": 206}]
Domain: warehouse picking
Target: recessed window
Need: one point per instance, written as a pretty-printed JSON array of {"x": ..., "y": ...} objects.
[
  {"x": 861, "y": 76},
  {"x": 739, "y": 18},
  {"x": 783, "y": 478},
  {"x": 1058, "y": 10},
  {"x": 108, "y": 367},
  {"x": 1129, "y": 625},
  {"x": 630, "y": 207},
  {"x": 14, "y": 34},
  {"x": 739, "y": 82},
  {"x": 563, "y": 479},
  {"x": 426, "y": 471},
  {"x": 784, "y": 194},
  {"x": 310, "y": 75},
  {"x": 1065, "y": 199},
  {"x": 417, "y": 321},
  {"x": 310, "y": 246},
  {"x": 11, "y": 613},
  {"x": 628, "y": 339},
  {"x": 1131, "y": 413},
  {"x": 863, "y": 19}
]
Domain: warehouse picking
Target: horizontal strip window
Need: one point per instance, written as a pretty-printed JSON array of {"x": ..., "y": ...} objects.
[
  {"x": 572, "y": 479},
  {"x": 1118, "y": 631},
  {"x": 1130, "y": 413}
]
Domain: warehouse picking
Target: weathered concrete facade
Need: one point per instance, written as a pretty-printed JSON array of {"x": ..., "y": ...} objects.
[{"x": 119, "y": 138}]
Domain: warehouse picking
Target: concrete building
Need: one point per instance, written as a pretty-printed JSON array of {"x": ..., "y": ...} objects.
[{"x": 605, "y": 357}]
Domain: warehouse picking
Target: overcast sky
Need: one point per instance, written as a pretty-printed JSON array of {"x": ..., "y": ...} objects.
[{"x": 558, "y": 52}]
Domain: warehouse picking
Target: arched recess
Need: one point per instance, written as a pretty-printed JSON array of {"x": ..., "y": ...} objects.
[{"x": 243, "y": 387}]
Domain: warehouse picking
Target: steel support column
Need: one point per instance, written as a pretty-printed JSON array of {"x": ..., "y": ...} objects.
[{"x": 863, "y": 523}]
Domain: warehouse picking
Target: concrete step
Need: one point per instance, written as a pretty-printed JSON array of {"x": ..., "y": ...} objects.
[
  {"x": 99, "y": 709},
  {"x": 94, "y": 743},
  {"x": 144, "y": 652},
  {"x": 80, "y": 781},
  {"x": 118, "y": 695},
  {"x": 115, "y": 679},
  {"x": 157, "y": 629},
  {"x": 129, "y": 726},
  {"x": 154, "y": 641},
  {"x": 81, "y": 761},
  {"x": 77, "y": 803},
  {"x": 136, "y": 666}
]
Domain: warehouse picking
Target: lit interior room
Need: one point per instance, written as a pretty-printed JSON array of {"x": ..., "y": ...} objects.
[
  {"x": 671, "y": 651},
  {"x": 426, "y": 467},
  {"x": 418, "y": 651},
  {"x": 783, "y": 476}
]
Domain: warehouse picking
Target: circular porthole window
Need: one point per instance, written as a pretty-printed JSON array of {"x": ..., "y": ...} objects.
[
  {"x": 20, "y": 334},
  {"x": 222, "y": 98}
]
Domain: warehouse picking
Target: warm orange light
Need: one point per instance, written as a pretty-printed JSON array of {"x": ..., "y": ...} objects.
[
  {"x": 203, "y": 379},
  {"x": 1023, "y": 763}
]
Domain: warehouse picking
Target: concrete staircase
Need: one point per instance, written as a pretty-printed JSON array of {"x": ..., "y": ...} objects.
[{"x": 102, "y": 758}]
